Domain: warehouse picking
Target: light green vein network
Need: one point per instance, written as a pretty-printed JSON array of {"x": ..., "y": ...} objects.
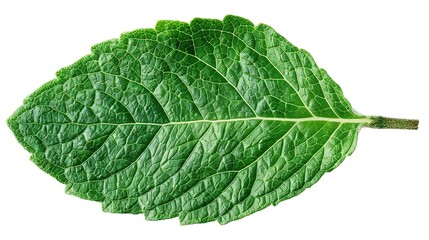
[{"x": 212, "y": 120}]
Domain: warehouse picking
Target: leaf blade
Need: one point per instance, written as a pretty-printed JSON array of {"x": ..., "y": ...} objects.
[{"x": 180, "y": 120}]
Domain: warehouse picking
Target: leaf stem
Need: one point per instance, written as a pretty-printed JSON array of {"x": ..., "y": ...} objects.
[{"x": 393, "y": 123}]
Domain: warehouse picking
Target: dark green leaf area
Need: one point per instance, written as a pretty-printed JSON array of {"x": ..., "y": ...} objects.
[{"x": 212, "y": 120}]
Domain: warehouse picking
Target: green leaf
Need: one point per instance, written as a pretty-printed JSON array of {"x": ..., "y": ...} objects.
[{"x": 212, "y": 120}]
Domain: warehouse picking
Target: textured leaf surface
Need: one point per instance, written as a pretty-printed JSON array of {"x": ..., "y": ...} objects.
[{"x": 212, "y": 120}]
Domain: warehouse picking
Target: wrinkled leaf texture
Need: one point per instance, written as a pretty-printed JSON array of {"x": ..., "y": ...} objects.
[{"x": 212, "y": 120}]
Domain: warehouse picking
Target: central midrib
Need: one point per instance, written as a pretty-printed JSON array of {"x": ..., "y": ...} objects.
[{"x": 308, "y": 119}]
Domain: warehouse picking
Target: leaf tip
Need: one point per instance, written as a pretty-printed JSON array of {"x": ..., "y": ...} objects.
[{"x": 9, "y": 121}]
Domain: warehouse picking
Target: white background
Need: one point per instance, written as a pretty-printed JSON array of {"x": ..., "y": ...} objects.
[{"x": 376, "y": 50}]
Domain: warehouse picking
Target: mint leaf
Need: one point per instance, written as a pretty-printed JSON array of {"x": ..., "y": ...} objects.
[{"x": 212, "y": 120}]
